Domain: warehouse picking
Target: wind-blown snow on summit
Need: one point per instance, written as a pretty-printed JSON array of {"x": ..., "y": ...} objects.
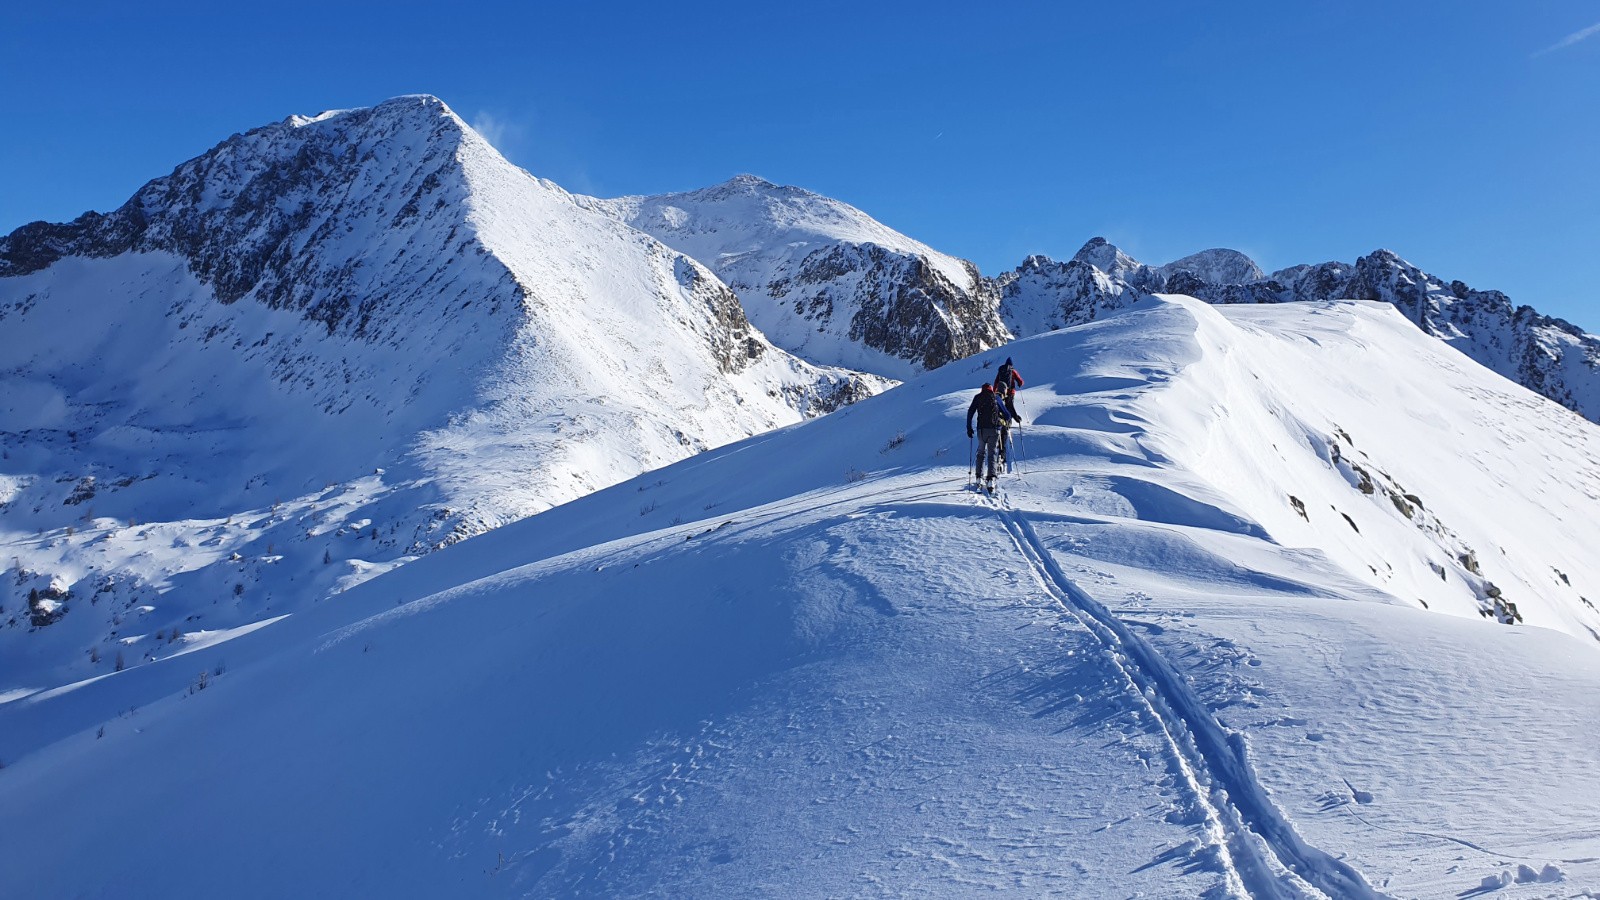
[
  {"x": 1547, "y": 355},
  {"x": 824, "y": 280},
  {"x": 1234, "y": 628},
  {"x": 327, "y": 345}
]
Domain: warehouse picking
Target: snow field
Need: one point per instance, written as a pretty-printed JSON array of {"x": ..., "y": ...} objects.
[
  {"x": 611, "y": 735},
  {"x": 814, "y": 663}
]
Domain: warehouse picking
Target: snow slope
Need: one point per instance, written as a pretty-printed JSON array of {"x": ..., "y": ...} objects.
[
  {"x": 823, "y": 279},
  {"x": 320, "y": 349},
  {"x": 814, "y": 663}
]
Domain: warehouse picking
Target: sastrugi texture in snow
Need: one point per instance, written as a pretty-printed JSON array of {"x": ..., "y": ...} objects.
[{"x": 1236, "y": 626}]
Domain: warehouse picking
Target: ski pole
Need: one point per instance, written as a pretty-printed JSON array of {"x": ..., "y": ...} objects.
[
  {"x": 973, "y": 455},
  {"x": 1016, "y": 404}
]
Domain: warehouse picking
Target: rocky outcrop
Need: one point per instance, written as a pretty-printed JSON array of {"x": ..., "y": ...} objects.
[
  {"x": 271, "y": 214},
  {"x": 1043, "y": 294},
  {"x": 895, "y": 303}
]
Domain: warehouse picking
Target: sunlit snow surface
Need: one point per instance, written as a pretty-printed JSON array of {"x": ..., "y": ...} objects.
[{"x": 816, "y": 663}]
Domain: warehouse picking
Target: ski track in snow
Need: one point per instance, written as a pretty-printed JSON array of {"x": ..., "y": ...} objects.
[{"x": 1239, "y": 816}]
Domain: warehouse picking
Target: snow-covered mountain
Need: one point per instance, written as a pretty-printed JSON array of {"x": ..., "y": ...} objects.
[
  {"x": 824, "y": 280},
  {"x": 1233, "y": 628},
  {"x": 321, "y": 348},
  {"x": 1548, "y": 355}
]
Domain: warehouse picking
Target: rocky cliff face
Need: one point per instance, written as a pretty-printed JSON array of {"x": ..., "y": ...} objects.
[
  {"x": 278, "y": 214},
  {"x": 822, "y": 279},
  {"x": 1044, "y": 294},
  {"x": 1547, "y": 355},
  {"x": 900, "y": 305}
]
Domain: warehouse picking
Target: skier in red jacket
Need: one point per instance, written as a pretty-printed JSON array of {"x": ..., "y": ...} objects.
[{"x": 1008, "y": 379}]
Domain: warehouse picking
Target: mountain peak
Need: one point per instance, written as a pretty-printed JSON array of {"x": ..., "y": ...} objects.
[
  {"x": 409, "y": 118},
  {"x": 1095, "y": 245},
  {"x": 1105, "y": 256},
  {"x": 1218, "y": 265},
  {"x": 746, "y": 180},
  {"x": 406, "y": 105},
  {"x": 758, "y": 188}
]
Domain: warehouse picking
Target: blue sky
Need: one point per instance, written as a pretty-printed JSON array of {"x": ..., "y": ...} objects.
[{"x": 1462, "y": 135}]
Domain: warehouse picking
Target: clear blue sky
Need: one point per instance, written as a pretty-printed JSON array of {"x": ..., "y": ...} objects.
[{"x": 1465, "y": 135}]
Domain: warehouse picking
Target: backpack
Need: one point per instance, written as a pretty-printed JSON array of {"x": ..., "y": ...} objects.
[
  {"x": 990, "y": 412},
  {"x": 1002, "y": 380}
]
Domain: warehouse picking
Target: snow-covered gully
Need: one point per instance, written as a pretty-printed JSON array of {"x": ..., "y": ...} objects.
[{"x": 1259, "y": 849}]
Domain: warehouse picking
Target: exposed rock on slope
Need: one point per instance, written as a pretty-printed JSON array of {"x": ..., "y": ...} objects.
[{"x": 824, "y": 280}]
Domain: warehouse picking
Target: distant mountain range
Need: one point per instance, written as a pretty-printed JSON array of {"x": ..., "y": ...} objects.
[{"x": 1545, "y": 354}]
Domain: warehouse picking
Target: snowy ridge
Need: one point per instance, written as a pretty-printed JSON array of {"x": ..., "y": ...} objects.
[
  {"x": 1138, "y": 668},
  {"x": 824, "y": 280},
  {"x": 320, "y": 349},
  {"x": 1405, "y": 464},
  {"x": 1547, "y": 355}
]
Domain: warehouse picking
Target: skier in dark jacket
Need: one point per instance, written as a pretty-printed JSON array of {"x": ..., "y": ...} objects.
[
  {"x": 1008, "y": 379},
  {"x": 986, "y": 406}
]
